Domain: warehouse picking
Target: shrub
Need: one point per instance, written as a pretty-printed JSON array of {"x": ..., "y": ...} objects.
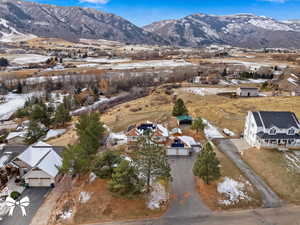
[{"x": 15, "y": 195}]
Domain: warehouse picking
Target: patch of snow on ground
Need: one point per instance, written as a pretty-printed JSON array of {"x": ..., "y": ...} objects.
[
  {"x": 66, "y": 215},
  {"x": 29, "y": 58},
  {"x": 106, "y": 60},
  {"x": 84, "y": 197},
  {"x": 120, "y": 138},
  {"x": 293, "y": 160},
  {"x": 13, "y": 102},
  {"x": 207, "y": 91},
  {"x": 147, "y": 64},
  {"x": 92, "y": 177},
  {"x": 229, "y": 132},
  {"x": 211, "y": 131},
  {"x": 158, "y": 196},
  {"x": 233, "y": 190},
  {"x": 54, "y": 133}
]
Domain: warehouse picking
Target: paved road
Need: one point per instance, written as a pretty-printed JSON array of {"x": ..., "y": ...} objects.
[
  {"x": 185, "y": 200},
  {"x": 269, "y": 197},
  {"x": 271, "y": 216},
  {"x": 36, "y": 196}
]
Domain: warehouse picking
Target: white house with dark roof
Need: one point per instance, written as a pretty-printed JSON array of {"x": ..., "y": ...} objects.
[{"x": 272, "y": 129}]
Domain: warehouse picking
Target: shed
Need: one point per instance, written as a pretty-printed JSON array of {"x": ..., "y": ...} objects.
[
  {"x": 184, "y": 120},
  {"x": 247, "y": 92}
]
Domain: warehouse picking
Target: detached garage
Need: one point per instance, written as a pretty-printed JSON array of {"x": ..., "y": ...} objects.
[
  {"x": 41, "y": 164},
  {"x": 183, "y": 146}
]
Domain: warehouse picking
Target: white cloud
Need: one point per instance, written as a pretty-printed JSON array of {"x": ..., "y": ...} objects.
[{"x": 95, "y": 1}]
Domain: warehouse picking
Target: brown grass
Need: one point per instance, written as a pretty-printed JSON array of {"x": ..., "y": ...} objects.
[
  {"x": 210, "y": 195},
  {"x": 103, "y": 206},
  {"x": 272, "y": 167}
]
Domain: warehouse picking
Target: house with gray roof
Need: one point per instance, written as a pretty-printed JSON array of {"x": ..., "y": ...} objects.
[{"x": 272, "y": 129}]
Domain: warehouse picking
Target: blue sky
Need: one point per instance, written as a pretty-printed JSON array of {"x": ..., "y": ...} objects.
[{"x": 142, "y": 12}]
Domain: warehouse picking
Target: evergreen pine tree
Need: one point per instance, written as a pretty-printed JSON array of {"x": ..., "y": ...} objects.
[
  {"x": 62, "y": 115},
  {"x": 125, "y": 180},
  {"x": 179, "y": 108},
  {"x": 151, "y": 160},
  {"x": 34, "y": 133},
  {"x": 198, "y": 125},
  {"x": 105, "y": 163},
  {"x": 206, "y": 166}
]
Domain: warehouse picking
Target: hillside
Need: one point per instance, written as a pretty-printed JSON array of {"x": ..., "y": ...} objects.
[
  {"x": 243, "y": 30},
  {"x": 70, "y": 23}
]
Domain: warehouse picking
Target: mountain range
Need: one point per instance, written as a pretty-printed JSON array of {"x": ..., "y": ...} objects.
[{"x": 27, "y": 19}]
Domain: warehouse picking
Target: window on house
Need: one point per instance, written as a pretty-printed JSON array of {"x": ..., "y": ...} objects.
[
  {"x": 291, "y": 131},
  {"x": 273, "y": 131}
]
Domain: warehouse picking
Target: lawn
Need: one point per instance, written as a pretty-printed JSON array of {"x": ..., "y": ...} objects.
[{"x": 272, "y": 166}]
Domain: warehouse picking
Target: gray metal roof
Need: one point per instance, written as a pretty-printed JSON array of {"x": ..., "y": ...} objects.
[{"x": 269, "y": 119}]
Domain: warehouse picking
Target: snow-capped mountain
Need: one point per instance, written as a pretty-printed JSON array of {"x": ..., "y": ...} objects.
[
  {"x": 71, "y": 23},
  {"x": 244, "y": 30}
]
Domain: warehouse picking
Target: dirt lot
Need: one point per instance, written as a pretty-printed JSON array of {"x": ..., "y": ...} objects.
[
  {"x": 211, "y": 197},
  {"x": 274, "y": 169},
  {"x": 102, "y": 205}
]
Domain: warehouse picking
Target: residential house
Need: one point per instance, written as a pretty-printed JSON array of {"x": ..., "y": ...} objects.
[
  {"x": 16, "y": 138},
  {"x": 160, "y": 134},
  {"x": 182, "y": 146},
  {"x": 38, "y": 165},
  {"x": 247, "y": 92},
  {"x": 272, "y": 130}
]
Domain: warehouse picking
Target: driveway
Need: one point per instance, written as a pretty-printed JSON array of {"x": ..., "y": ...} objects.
[
  {"x": 36, "y": 196},
  {"x": 269, "y": 198},
  {"x": 185, "y": 200}
]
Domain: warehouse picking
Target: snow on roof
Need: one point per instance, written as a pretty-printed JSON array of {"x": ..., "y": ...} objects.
[
  {"x": 163, "y": 130},
  {"x": 12, "y": 135},
  {"x": 189, "y": 141},
  {"x": 42, "y": 156},
  {"x": 54, "y": 133},
  {"x": 50, "y": 163}
]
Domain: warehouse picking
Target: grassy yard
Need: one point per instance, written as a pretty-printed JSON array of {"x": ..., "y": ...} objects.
[
  {"x": 272, "y": 166},
  {"x": 230, "y": 113}
]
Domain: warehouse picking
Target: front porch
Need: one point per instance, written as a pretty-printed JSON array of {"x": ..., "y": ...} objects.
[{"x": 279, "y": 143}]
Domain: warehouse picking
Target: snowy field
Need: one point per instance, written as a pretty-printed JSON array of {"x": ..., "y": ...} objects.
[
  {"x": 233, "y": 191},
  {"x": 207, "y": 91},
  {"x": 147, "y": 64},
  {"x": 12, "y": 103},
  {"x": 106, "y": 60},
  {"x": 22, "y": 59}
]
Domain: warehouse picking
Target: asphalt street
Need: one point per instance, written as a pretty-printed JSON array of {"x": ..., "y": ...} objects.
[{"x": 36, "y": 196}]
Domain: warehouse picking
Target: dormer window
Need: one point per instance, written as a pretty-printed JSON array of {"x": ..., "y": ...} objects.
[
  {"x": 273, "y": 131},
  {"x": 291, "y": 131}
]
